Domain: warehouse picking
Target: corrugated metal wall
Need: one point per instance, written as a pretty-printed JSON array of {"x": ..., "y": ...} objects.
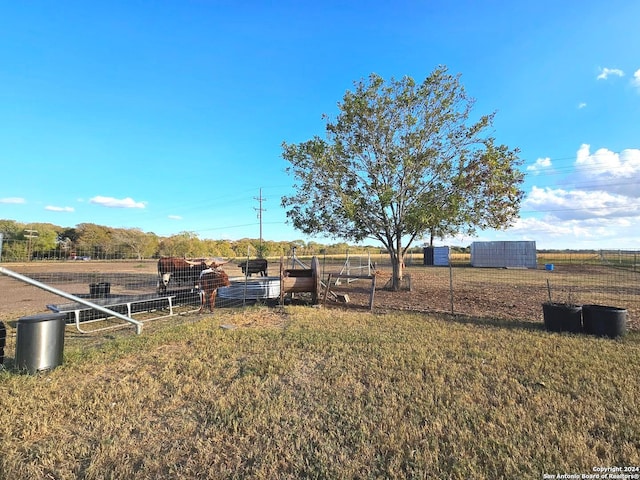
[
  {"x": 520, "y": 254},
  {"x": 441, "y": 256}
]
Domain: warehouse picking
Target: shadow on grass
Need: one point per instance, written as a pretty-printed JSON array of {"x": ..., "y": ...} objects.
[
  {"x": 462, "y": 318},
  {"x": 511, "y": 324},
  {"x": 631, "y": 336},
  {"x": 527, "y": 325},
  {"x": 465, "y": 319}
]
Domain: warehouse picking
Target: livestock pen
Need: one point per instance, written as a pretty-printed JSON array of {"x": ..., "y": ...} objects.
[{"x": 502, "y": 294}]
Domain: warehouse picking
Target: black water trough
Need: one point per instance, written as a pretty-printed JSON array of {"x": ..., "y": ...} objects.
[{"x": 604, "y": 321}]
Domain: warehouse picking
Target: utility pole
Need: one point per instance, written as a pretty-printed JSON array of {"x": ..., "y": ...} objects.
[
  {"x": 30, "y": 234},
  {"x": 260, "y": 210}
]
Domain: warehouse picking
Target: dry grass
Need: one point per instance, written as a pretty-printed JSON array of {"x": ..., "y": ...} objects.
[{"x": 325, "y": 394}]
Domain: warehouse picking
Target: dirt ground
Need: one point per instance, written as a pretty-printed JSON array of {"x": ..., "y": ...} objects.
[
  {"x": 18, "y": 299},
  {"x": 499, "y": 294},
  {"x": 477, "y": 293}
]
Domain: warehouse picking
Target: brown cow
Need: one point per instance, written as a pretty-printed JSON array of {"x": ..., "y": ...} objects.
[
  {"x": 179, "y": 271},
  {"x": 210, "y": 280}
]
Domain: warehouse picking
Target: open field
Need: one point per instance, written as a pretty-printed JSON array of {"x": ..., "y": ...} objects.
[{"x": 325, "y": 393}]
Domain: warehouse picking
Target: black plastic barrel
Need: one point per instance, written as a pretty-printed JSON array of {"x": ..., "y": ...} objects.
[
  {"x": 560, "y": 317},
  {"x": 101, "y": 289},
  {"x": 40, "y": 342},
  {"x": 604, "y": 321}
]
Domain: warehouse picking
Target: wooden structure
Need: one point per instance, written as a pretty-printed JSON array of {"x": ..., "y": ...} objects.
[
  {"x": 300, "y": 280},
  {"x": 307, "y": 280}
]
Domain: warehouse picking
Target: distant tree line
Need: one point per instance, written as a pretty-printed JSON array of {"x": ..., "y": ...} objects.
[{"x": 46, "y": 241}]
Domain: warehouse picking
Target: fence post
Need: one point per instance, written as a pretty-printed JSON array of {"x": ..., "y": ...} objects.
[
  {"x": 373, "y": 292},
  {"x": 246, "y": 276},
  {"x": 451, "y": 286}
]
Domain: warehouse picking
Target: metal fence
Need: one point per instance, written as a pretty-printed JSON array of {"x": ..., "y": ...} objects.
[
  {"x": 608, "y": 277},
  {"x": 509, "y": 294}
]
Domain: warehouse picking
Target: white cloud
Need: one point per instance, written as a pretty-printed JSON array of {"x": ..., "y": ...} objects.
[
  {"x": 636, "y": 79},
  {"x": 540, "y": 164},
  {"x": 51, "y": 208},
  {"x": 599, "y": 202},
  {"x": 582, "y": 105},
  {"x": 175, "y": 217},
  {"x": 549, "y": 227},
  {"x": 579, "y": 204},
  {"x": 117, "y": 202},
  {"x": 12, "y": 200},
  {"x": 549, "y": 232},
  {"x": 606, "y": 72},
  {"x": 608, "y": 171}
]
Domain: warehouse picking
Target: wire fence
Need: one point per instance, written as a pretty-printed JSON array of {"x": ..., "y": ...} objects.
[
  {"x": 514, "y": 294},
  {"x": 507, "y": 294}
]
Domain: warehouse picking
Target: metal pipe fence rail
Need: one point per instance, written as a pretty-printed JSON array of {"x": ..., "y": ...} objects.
[{"x": 73, "y": 298}]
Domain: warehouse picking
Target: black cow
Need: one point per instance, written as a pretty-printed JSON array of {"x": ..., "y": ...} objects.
[{"x": 258, "y": 265}]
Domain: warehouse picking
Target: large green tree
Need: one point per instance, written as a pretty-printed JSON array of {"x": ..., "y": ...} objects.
[
  {"x": 134, "y": 243},
  {"x": 184, "y": 244},
  {"x": 94, "y": 240},
  {"x": 402, "y": 160},
  {"x": 42, "y": 238}
]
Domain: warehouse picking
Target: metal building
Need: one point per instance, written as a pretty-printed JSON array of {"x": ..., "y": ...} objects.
[
  {"x": 517, "y": 254},
  {"x": 437, "y": 256}
]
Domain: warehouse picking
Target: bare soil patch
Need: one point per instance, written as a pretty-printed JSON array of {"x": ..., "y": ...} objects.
[{"x": 499, "y": 293}]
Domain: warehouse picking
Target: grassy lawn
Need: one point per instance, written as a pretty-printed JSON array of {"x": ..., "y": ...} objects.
[{"x": 326, "y": 394}]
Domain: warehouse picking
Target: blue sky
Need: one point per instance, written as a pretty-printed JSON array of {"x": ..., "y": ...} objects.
[{"x": 169, "y": 115}]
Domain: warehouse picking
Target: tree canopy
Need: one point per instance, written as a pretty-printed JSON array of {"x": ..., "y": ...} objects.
[
  {"x": 42, "y": 241},
  {"x": 402, "y": 160}
]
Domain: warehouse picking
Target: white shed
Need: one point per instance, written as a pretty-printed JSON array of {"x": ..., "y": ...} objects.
[{"x": 521, "y": 254}]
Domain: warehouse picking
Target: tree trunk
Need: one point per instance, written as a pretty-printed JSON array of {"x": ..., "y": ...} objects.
[
  {"x": 395, "y": 279},
  {"x": 397, "y": 265}
]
